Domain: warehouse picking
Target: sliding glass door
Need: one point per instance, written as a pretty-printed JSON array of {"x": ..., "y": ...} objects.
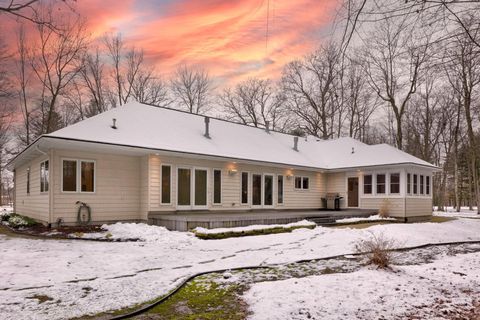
[{"x": 189, "y": 184}]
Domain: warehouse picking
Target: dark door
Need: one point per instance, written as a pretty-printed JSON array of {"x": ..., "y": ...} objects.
[{"x": 353, "y": 192}]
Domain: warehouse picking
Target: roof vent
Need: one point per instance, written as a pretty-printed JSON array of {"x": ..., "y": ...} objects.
[
  {"x": 207, "y": 128},
  {"x": 267, "y": 126},
  {"x": 114, "y": 122},
  {"x": 295, "y": 143}
]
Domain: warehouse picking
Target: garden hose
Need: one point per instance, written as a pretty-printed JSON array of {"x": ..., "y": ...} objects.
[{"x": 84, "y": 218}]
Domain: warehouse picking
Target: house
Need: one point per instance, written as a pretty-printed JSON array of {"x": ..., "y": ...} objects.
[{"x": 137, "y": 160}]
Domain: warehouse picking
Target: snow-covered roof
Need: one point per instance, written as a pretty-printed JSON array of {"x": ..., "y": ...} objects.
[{"x": 144, "y": 126}]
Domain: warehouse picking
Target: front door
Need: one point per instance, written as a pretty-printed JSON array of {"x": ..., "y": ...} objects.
[
  {"x": 191, "y": 188},
  {"x": 353, "y": 192}
]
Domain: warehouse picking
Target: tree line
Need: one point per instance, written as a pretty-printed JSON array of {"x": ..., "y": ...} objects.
[{"x": 402, "y": 73}]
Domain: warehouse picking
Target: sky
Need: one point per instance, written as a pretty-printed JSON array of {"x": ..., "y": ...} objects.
[{"x": 226, "y": 37}]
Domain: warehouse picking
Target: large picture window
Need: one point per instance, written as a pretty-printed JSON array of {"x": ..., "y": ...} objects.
[
  {"x": 367, "y": 184},
  {"x": 381, "y": 184},
  {"x": 166, "y": 184},
  {"x": 78, "y": 175},
  {"x": 395, "y": 183},
  {"x": 44, "y": 182},
  {"x": 217, "y": 186}
]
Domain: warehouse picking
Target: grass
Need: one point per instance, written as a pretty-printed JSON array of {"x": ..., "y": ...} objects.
[
  {"x": 201, "y": 299},
  {"x": 233, "y": 234},
  {"x": 437, "y": 219},
  {"x": 362, "y": 225}
]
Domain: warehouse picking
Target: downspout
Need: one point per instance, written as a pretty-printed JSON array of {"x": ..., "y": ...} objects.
[{"x": 51, "y": 186}]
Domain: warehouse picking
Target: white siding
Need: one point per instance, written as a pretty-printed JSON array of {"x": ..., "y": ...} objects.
[
  {"x": 117, "y": 190},
  {"x": 35, "y": 204},
  {"x": 231, "y": 184}
]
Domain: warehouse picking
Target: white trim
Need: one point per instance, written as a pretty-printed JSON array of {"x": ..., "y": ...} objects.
[
  {"x": 301, "y": 183},
  {"x": 183, "y": 207},
  {"x": 78, "y": 183},
  {"x": 399, "y": 183},
  {"x": 161, "y": 183},
  {"x": 350, "y": 176}
]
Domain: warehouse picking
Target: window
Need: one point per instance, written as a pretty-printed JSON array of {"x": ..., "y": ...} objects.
[
  {"x": 409, "y": 183},
  {"x": 44, "y": 176},
  {"x": 166, "y": 184},
  {"x": 427, "y": 184},
  {"x": 87, "y": 176},
  {"x": 380, "y": 184},
  {"x": 280, "y": 189},
  {"x": 217, "y": 186},
  {"x": 305, "y": 183},
  {"x": 69, "y": 177},
  {"x": 415, "y": 184},
  {"x": 421, "y": 184},
  {"x": 28, "y": 180},
  {"x": 302, "y": 183},
  {"x": 78, "y": 175},
  {"x": 256, "y": 189},
  {"x": 244, "y": 187},
  {"x": 395, "y": 183},
  {"x": 298, "y": 182},
  {"x": 367, "y": 184}
]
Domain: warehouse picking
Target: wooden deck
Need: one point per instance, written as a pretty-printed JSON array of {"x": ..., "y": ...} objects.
[{"x": 184, "y": 221}]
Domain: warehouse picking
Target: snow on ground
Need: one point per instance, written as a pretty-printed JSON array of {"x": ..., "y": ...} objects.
[
  {"x": 465, "y": 212},
  {"x": 87, "y": 277},
  {"x": 302, "y": 223},
  {"x": 372, "y": 294},
  {"x": 373, "y": 218}
]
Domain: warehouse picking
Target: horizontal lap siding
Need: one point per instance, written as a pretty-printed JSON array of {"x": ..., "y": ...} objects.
[
  {"x": 231, "y": 184},
  {"x": 118, "y": 188},
  {"x": 336, "y": 183},
  {"x": 35, "y": 204},
  {"x": 395, "y": 206},
  {"x": 419, "y": 206}
]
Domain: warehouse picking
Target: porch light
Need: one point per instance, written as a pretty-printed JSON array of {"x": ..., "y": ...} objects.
[
  {"x": 232, "y": 172},
  {"x": 289, "y": 176}
]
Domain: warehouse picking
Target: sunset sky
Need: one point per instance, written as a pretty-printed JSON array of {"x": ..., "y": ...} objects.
[{"x": 226, "y": 37}]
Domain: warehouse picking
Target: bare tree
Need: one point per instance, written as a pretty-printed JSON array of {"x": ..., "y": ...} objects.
[
  {"x": 150, "y": 89},
  {"x": 255, "y": 102},
  {"x": 192, "y": 87},
  {"x": 31, "y": 11},
  {"x": 115, "y": 46},
  {"x": 464, "y": 77},
  {"x": 393, "y": 62},
  {"x": 311, "y": 88},
  {"x": 56, "y": 63}
]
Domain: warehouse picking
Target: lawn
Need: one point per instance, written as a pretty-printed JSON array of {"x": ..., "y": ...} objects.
[{"x": 107, "y": 276}]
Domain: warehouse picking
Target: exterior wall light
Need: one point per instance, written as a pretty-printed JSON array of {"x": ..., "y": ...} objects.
[{"x": 232, "y": 172}]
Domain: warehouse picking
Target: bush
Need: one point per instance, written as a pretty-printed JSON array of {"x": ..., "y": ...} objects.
[
  {"x": 18, "y": 221},
  {"x": 384, "y": 210},
  {"x": 4, "y": 216},
  {"x": 378, "y": 250}
]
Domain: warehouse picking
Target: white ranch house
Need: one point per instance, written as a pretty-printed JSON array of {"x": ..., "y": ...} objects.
[{"x": 138, "y": 161}]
